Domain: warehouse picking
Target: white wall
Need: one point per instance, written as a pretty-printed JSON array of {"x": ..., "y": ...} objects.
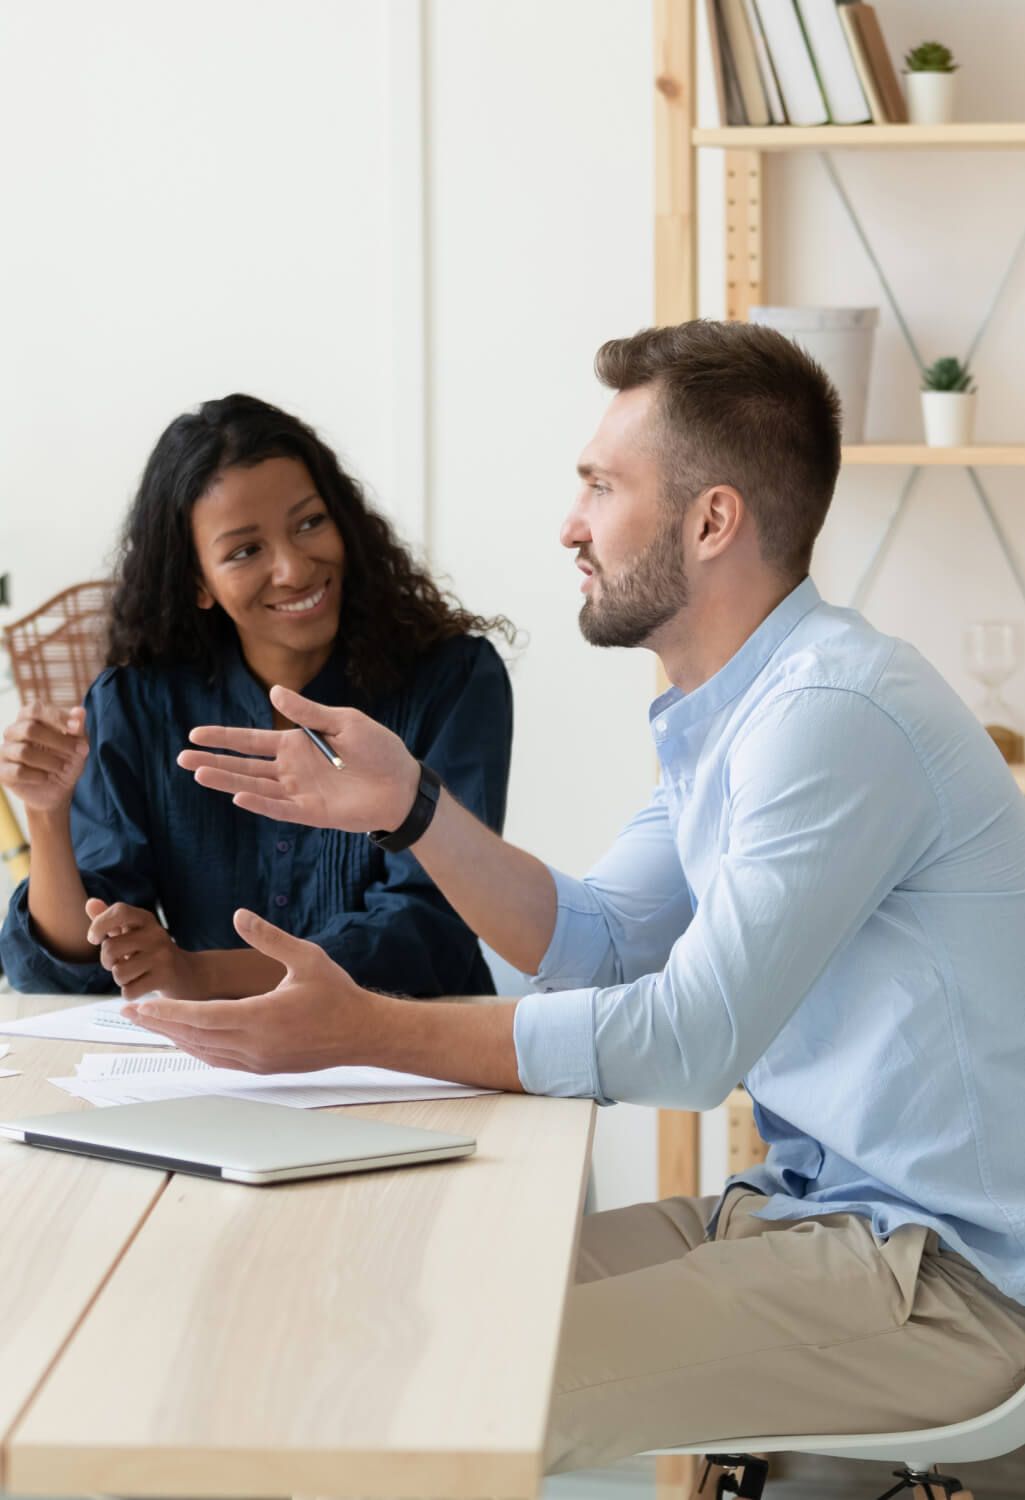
[
  {"x": 540, "y": 174},
  {"x": 226, "y": 195},
  {"x": 192, "y": 202}
]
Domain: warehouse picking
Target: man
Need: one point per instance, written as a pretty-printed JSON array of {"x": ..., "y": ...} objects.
[{"x": 824, "y": 897}]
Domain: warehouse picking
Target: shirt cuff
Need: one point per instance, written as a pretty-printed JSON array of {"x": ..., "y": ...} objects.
[{"x": 555, "y": 1051}]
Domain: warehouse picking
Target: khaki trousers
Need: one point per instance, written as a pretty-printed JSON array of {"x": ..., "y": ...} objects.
[{"x": 769, "y": 1328}]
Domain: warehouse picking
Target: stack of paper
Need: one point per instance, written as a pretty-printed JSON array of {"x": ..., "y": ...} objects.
[
  {"x": 131, "y": 1078},
  {"x": 98, "y": 1021}
]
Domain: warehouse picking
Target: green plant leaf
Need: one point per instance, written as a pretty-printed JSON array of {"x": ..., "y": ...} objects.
[
  {"x": 947, "y": 374},
  {"x": 930, "y": 57}
]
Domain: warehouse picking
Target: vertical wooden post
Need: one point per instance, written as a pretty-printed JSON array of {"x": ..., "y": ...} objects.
[
  {"x": 675, "y": 163},
  {"x": 675, "y": 302},
  {"x": 743, "y": 233},
  {"x": 676, "y": 250}
]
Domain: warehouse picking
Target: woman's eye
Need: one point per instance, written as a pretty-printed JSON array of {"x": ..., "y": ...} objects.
[
  {"x": 309, "y": 522},
  {"x": 241, "y": 553}
]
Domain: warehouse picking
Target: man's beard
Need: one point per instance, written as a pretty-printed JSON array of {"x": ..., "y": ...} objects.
[{"x": 635, "y": 603}]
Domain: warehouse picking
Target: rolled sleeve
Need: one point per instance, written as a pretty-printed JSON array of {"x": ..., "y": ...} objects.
[
  {"x": 621, "y": 921},
  {"x": 554, "y": 1037},
  {"x": 580, "y": 947}
]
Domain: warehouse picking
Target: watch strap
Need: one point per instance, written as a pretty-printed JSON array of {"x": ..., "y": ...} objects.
[{"x": 418, "y": 818}]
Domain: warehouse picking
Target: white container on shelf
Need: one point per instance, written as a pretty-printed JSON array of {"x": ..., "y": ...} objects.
[
  {"x": 840, "y": 339},
  {"x": 949, "y": 418},
  {"x": 930, "y": 98}
]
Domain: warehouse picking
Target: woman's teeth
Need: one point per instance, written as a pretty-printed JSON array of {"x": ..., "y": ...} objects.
[{"x": 309, "y": 603}]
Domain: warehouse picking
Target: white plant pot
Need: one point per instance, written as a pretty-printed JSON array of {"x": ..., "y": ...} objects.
[
  {"x": 930, "y": 98},
  {"x": 840, "y": 339},
  {"x": 949, "y": 418}
]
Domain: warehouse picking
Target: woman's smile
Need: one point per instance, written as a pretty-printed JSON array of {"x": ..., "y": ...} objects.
[{"x": 303, "y": 607}]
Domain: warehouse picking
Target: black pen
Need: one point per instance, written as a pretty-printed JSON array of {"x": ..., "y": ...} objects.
[{"x": 324, "y": 748}]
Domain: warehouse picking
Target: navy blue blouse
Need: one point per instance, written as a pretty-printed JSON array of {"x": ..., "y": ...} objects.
[{"x": 144, "y": 832}]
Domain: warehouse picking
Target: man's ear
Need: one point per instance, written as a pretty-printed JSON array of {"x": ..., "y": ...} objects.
[{"x": 718, "y": 514}]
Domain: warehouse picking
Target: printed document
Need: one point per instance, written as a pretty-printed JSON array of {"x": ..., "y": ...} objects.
[
  {"x": 131, "y": 1078},
  {"x": 98, "y": 1021}
]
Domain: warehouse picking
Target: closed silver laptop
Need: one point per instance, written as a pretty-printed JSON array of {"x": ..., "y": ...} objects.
[{"x": 238, "y": 1140}]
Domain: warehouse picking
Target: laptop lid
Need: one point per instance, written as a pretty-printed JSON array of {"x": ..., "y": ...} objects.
[{"x": 239, "y": 1140}]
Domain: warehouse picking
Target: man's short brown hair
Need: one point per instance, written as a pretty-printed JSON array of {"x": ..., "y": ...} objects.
[{"x": 741, "y": 405}]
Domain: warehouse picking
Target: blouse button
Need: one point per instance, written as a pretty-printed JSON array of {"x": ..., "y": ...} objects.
[
  {"x": 283, "y": 846},
  {"x": 280, "y": 900}
]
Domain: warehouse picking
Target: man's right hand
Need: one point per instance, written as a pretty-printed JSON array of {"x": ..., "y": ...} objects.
[
  {"x": 286, "y": 777},
  {"x": 42, "y": 755}
]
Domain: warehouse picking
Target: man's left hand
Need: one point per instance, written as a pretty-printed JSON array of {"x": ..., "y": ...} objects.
[{"x": 317, "y": 1017}]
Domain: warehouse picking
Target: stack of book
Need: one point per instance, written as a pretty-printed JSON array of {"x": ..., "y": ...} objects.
[{"x": 802, "y": 62}]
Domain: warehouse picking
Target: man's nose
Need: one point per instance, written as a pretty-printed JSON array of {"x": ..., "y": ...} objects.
[{"x": 574, "y": 530}]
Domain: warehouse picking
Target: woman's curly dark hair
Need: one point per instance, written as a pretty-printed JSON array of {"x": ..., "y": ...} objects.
[{"x": 392, "y": 611}]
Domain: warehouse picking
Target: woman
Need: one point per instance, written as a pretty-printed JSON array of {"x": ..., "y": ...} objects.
[{"x": 249, "y": 558}]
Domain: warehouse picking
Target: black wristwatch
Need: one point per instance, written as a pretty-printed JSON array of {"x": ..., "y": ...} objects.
[{"x": 417, "y": 820}]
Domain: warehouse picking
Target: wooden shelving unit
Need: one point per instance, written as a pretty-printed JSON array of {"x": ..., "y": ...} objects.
[
  {"x": 978, "y": 456},
  {"x": 1000, "y": 135},
  {"x": 677, "y": 140}
]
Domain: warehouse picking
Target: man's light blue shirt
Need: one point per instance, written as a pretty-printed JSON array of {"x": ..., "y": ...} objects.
[{"x": 824, "y": 898}]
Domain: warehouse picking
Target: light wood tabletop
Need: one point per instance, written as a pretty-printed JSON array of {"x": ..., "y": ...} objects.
[{"x": 387, "y": 1334}]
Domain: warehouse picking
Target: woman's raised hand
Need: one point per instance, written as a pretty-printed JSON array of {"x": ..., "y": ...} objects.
[
  {"x": 284, "y": 776},
  {"x": 42, "y": 755}
]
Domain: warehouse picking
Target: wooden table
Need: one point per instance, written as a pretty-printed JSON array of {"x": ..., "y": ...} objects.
[{"x": 389, "y": 1334}]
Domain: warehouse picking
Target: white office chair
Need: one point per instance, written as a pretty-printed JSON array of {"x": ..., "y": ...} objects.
[{"x": 730, "y": 1468}]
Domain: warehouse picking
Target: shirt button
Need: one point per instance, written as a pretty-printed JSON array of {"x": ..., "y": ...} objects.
[
  {"x": 283, "y": 846},
  {"x": 280, "y": 900},
  {"x": 661, "y": 726}
]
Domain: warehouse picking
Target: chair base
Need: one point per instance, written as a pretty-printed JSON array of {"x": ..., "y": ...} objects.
[
  {"x": 723, "y": 1474},
  {"x": 928, "y": 1486},
  {"x": 743, "y": 1475}
]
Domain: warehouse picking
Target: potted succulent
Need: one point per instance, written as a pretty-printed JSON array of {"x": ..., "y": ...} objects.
[
  {"x": 929, "y": 82},
  {"x": 948, "y": 403}
]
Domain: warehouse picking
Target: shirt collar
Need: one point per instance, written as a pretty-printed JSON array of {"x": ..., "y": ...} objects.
[
  {"x": 743, "y": 667},
  {"x": 329, "y": 686}
]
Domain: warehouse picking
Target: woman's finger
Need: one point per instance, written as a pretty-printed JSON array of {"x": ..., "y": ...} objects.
[
  {"x": 134, "y": 967},
  {"x": 64, "y": 720},
  {"x": 35, "y": 757},
  {"x": 119, "y": 918},
  {"x": 12, "y": 774},
  {"x": 34, "y": 732}
]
